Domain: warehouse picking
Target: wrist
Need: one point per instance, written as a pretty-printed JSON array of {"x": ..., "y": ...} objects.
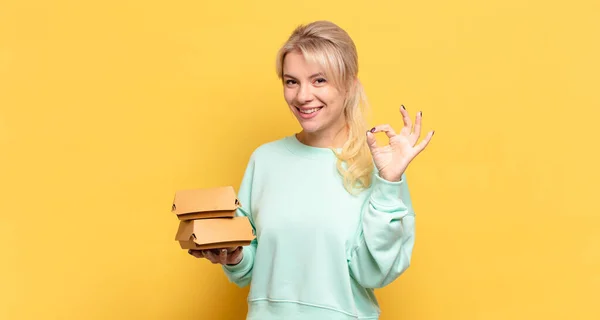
[
  {"x": 391, "y": 178},
  {"x": 238, "y": 260}
]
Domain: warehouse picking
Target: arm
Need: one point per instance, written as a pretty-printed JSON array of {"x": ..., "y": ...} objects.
[
  {"x": 241, "y": 273},
  {"x": 386, "y": 236}
]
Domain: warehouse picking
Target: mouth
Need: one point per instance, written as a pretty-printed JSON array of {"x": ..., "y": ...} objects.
[{"x": 308, "y": 113}]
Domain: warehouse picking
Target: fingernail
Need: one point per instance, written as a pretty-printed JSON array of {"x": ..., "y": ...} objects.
[
  {"x": 433, "y": 132},
  {"x": 421, "y": 113},
  {"x": 223, "y": 251},
  {"x": 190, "y": 251},
  {"x": 403, "y": 107},
  {"x": 372, "y": 130}
]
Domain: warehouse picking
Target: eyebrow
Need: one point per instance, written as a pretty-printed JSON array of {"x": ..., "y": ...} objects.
[{"x": 312, "y": 76}]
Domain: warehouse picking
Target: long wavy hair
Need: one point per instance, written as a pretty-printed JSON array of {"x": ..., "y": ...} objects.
[{"x": 332, "y": 48}]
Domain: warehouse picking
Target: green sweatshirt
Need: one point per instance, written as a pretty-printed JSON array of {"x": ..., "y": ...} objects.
[{"x": 319, "y": 251}]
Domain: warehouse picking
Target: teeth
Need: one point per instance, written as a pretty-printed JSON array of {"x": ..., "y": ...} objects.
[{"x": 309, "y": 111}]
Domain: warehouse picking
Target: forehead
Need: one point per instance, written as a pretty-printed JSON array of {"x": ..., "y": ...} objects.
[{"x": 297, "y": 66}]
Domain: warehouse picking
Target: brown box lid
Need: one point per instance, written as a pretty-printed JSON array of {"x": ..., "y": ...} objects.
[
  {"x": 217, "y": 202},
  {"x": 214, "y": 233}
]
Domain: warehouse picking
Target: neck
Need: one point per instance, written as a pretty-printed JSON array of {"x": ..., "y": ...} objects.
[{"x": 332, "y": 138}]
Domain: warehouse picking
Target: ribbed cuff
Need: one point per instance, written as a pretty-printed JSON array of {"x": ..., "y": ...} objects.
[{"x": 387, "y": 194}]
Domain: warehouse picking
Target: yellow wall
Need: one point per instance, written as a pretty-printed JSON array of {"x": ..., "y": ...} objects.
[{"x": 107, "y": 108}]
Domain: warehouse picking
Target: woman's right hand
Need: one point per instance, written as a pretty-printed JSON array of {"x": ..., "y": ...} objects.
[{"x": 224, "y": 256}]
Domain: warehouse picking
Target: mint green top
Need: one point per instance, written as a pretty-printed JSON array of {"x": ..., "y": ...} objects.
[{"x": 319, "y": 251}]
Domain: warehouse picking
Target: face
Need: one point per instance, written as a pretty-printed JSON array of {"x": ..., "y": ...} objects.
[{"x": 315, "y": 102}]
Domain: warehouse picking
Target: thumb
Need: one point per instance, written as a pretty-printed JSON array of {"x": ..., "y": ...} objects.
[
  {"x": 371, "y": 141},
  {"x": 223, "y": 256}
]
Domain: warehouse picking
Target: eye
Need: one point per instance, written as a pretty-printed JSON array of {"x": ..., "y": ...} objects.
[
  {"x": 320, "y": 80},
  {"x": 290, "y": 82}
]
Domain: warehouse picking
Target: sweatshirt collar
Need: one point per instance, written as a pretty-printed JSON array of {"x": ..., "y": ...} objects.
[{"x": 301, "y": 149}]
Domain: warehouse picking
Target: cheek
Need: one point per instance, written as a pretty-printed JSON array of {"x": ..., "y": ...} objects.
[
  {"x": 331, "y": 97},
  {"x": 288, "y": 95}
]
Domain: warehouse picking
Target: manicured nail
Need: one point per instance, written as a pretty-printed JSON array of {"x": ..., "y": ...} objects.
[
  {"x": 421, "y": 113},
  {"x": 373, "y": 130},
  {"x": 190, "y": 251},
  {"x": 433, "y": 132},
  {"x": 403, "y": 107}
]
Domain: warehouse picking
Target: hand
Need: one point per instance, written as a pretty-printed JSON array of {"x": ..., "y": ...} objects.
[
  {"x": 393, "y": 159},
  {"x": 224, "y": 256}
]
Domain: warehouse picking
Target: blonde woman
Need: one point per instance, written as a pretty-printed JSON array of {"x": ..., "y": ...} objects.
[{"x": 331, "y": 209}]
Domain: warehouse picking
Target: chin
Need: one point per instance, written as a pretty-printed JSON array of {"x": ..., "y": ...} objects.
[{"x": 310, "y": 126}]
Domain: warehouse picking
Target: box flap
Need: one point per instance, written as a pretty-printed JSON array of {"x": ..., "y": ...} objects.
[
  {"x": 185, "y": 230},
  {"x": 204, "y": 200}
]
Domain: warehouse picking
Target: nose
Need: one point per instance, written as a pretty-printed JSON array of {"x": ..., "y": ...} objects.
[{"x": 304, "y": 94}]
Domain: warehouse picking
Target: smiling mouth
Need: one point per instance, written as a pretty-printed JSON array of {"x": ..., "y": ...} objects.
[{"x": 309, "y": 111}]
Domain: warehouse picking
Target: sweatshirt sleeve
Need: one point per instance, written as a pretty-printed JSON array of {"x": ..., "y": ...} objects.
[
  {"x": 386, "y": 235},
  {"x": 241, "y": 273}
]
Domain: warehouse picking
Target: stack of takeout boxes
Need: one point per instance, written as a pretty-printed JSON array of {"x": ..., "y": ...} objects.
[{"x": 207, "y": 219}]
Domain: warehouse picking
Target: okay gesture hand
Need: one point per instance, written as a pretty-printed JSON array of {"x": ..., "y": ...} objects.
[{"x": 393, "y": 159}]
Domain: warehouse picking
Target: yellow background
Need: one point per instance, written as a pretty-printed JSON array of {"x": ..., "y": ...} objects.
[{"x": 107, "y": 108}]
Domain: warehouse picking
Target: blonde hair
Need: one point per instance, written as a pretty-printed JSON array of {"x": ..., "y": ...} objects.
[{"x": 332, "y": 48}]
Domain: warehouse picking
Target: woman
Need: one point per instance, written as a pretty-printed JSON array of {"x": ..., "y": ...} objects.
[{"x": 331, "y": 226}]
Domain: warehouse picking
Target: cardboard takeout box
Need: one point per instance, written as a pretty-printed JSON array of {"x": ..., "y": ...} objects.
[
  {"x": 214, "y": 233},
  {"x": 208, "y": 221},
  {"x": 218, "y": 202}
]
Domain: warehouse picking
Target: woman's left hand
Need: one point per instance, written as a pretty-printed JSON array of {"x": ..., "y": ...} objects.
[{"x": 392, "y": 160}]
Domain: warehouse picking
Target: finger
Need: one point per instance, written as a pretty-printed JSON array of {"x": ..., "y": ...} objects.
[
  {"x": 211, "y": 256},
  {"x": 423, "y": 144},
  {"x": 389, "y": 131},
  {"x": 196, "y": 253},
  {"x": 407, "y": 129},
  {"x": 417, "y": 128}
]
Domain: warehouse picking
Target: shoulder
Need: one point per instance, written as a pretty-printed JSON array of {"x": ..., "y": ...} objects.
[{"x": 267, "y": 156}]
